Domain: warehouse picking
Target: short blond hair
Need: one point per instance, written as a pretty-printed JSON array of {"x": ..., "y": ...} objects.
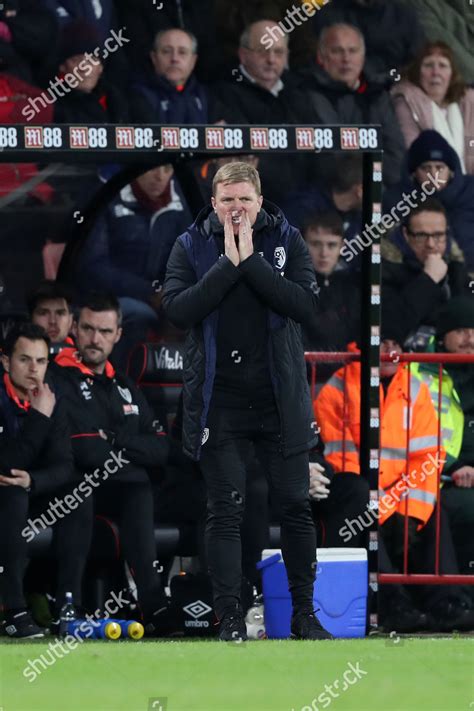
[{"x": 237, "y": 173}]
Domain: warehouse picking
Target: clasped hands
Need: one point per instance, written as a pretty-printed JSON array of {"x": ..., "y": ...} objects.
[{"x": 233, "y": 251}]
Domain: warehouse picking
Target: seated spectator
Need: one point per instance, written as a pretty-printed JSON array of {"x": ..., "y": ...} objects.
[
  {"x": 266, "y": 93},
  {"x": 340, "y": 90},
  {"x": 50, "y": 306},
  {"x": 337, "y": 321},
  {"x": 28, "y": 36},
  {"x": 341, "y": 193},
  {"x": 409, "y": 486},
  {"x": 433, "y": 95},
  {"x": 421, "y": 275},
  {"x": 128, "y": 249},
  {"x": 392, "y": 31},
  {"x": 143, "y": 23},
  {"x": 450, "y": 22},
  {"x": 430, "y": 157},
  {"x": 112, "y": 433},
  {"x": 89, "y": 98},
  {"x": 35, "y": 464},
  {"x": 102, "y": 16},
  {"x": 455, "y": 334},
  {"x": 169, "y": 92}
]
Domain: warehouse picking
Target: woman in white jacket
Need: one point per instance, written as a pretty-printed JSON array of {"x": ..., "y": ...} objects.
[{"x": 433, "y": 95}]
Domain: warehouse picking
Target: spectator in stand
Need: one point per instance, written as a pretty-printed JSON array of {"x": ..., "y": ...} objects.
[
  {"x": 128, "y": 249},
  {"x": 452, "y": 23},
  {"x": 101, "y": 15},
  {"x": 94, "y": 99},
  {"x": 430, "y": 157},
  {"x": 337, "y": 322},
  {"x": 143, "y": 23},
  {"x": 455, "y": 334},
  {"x": 342, "y": 193},
  {"x": 50, "y": 306},
  {"x": 409, "y": 485},
  {"x": 340, "y": 90},
  {"x": 418, "y": 279},
  {"x": 35, "y": 464},
  {"x": 266, "y": 93},
  {"x": 169, "y": 92},
  {"x": 392, "y": 31},
  {"x": 28, "y": 39},
  {"x": 433, "y": 95}
]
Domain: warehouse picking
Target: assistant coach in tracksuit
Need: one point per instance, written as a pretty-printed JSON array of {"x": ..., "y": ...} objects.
[
  {"x": 241, "y": 280},
  {"x": 113, "y": 443}
]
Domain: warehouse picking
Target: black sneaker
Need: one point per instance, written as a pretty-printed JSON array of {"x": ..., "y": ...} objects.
[
  {"x": 452, "y": 616},
  {"x": 232, "y": 626},
  {"x": 305, "y": 625},
  {"x": 20, "y": 625}
]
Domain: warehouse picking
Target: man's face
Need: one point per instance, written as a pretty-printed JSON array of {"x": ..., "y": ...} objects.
[
  {"x": 96, "y": 334},
  {"x": 438, "y": 170},
  {"x": 325, "y": 248},
  {"x": 264, "y": 65},
  {"x": 343, "y": 56},
  {"x": 426, "y": 234},
  {"x": 460, "y": 340},
  {"x": 154, "y": 182},
  {"x": 27, "y": 364},
  {"x": 54, "y": 316},
  {"x": 389, "y": 347},
  {"x": 236, "y": 198},
  {"x": 174, "y": 58},
  {"x": 88, "y": 77},
  {"x": 435, "y": 76}
]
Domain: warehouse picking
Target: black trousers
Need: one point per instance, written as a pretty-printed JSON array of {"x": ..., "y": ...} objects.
[
  {"x": 128, "y": 503},
  {"x": 235, "y": 436},
  {"x": 71, "y": 542}
]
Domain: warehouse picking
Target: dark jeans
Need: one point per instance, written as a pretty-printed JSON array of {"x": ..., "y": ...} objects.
[
  {"x": 71, "y": 541},
  {"x": 225, "y": 458}
]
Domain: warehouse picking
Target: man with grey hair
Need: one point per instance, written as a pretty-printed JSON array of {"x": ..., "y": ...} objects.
[
  {"x": 340, "y": 89},
  {"x": 264, "y": 92},
  {"x": 170, "y": 93}
]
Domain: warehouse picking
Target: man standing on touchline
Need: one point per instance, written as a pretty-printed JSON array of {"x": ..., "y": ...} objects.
[{"x": 241, "y": 280}]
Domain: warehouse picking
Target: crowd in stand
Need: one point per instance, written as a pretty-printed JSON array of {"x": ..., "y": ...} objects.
[{"x": 409, "y": 69}]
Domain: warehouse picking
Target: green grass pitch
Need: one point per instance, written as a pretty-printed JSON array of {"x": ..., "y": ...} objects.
[{"x": 424, "y": 674}]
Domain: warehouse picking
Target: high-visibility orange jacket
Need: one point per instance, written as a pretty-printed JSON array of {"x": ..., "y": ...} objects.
[{"x": 337, "y": 412}]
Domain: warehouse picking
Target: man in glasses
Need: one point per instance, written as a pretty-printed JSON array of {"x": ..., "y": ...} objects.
[{"x": 416, "y": 284}]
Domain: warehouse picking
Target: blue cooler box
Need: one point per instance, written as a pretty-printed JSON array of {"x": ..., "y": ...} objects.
[{"x": 340, "y": 592}]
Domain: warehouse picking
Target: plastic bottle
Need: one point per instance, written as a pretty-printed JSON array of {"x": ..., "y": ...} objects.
[
  {"x": 130, "y": 628},
  {"x": 66, "y": 616},
  {"x": 95, "y": 629}
]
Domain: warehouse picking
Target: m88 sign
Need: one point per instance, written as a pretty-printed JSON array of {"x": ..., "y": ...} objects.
[{"x": 108, "y": 139}]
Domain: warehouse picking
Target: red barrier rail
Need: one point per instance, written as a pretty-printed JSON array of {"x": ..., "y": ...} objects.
[{"x": 315, "y": 358}]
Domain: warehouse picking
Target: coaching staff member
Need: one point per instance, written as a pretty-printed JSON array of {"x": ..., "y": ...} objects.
[{"x": 241, "y": 280}]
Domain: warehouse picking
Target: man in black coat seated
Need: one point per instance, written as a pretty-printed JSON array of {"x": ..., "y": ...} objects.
[
  {"x": 35, "y": 465},
  {"x": 417, "y": 281},
  {"x": 340, "y": 90}
]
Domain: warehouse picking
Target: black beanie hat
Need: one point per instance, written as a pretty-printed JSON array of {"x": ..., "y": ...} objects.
[
  {"x": 457, "y": 313},
  {"x": 431, "y": 146},
  {"x": 78, "y": 37}
]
